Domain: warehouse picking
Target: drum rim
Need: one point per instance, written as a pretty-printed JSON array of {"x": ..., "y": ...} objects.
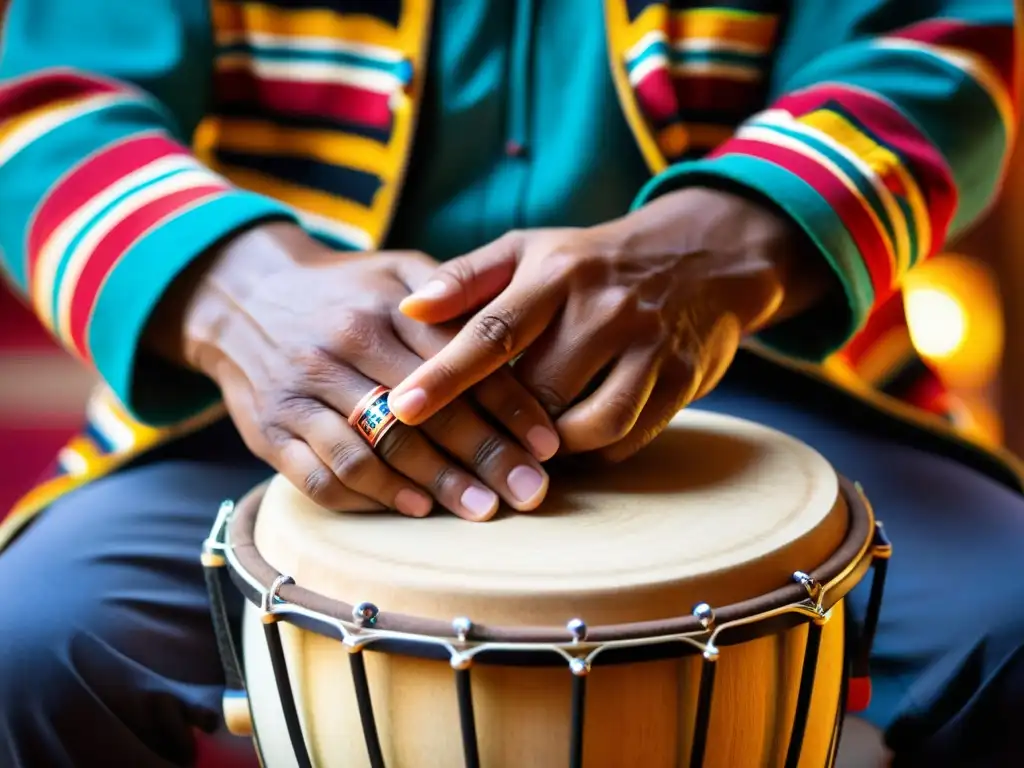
[{"x": 806, "y": 599}]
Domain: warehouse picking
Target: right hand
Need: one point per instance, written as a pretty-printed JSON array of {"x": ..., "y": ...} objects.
[{"x": 295, "y": 334}]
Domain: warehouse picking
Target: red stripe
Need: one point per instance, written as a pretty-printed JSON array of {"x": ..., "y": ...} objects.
[
  {"x": 664, "y": 97},
  {"x": 886, "y": 316},
  {"x": 720, "y": 94},
  {"x": 889, "y": 127},
  {"x": 344, "y": 103},
  {"x": 993, "y": 43},
  {"x": 657, "y": 96},
  {"x": 98, "y": 172},
  {"x": 34, "y": 92},
  {"x": 115, "y": 244},
  {"x": 847, "y": 206}
]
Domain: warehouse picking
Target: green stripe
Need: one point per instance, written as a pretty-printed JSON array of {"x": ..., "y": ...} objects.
[
  {"x": 863, "y": 185},
  {"x": 945, "y": 104},
  {"x": 813, "y": 214}
]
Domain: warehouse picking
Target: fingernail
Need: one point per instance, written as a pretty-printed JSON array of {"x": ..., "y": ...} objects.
[
  {"x": 479, "y": 502},
  {"x": 413, "y": 503},
  {"x": 525, "y": 483},
  {"x": 406, "y": 405},
  {"x": 543, "y": 442},
  {"x": 435, "y": 289}
]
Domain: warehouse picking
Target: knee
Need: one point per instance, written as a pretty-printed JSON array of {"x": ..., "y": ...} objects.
[{"x": 46, "y": 668}]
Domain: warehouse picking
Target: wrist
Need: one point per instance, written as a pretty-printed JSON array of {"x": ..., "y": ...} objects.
[
  {"x": 755, "y": 260},
  {"x": 197, "y": 314}
]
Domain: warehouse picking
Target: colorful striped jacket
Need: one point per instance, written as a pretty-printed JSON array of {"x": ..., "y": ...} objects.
[{"x": 881, "y": 127}]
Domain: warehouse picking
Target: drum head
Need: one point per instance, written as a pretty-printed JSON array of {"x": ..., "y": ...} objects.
[{"x": 716, "y": 510}]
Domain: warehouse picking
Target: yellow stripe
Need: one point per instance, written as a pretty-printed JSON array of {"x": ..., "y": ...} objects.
[
  {"x": 678, "y": 137},
  {"x": 881, "y": 160},
  {"x": 262, "y": 138},
  {"x": 796, "y": 145},
  {"x": 622, "y": 36},
  {"x": 87, "y": 450},
  {"x": 756, "y": 30},
  {"x": 233, "y": 18},
  {"x": 13, "y": 125},
  {"x": 884, "y": 355}
]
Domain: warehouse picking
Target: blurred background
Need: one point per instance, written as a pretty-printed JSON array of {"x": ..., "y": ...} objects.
[{"x": 965, "y": 311}]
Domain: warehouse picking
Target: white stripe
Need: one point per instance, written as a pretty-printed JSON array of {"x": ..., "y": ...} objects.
[
  {"x": 53, "y": 250},
  {"x": 72, "y": 462},
  {"x": 313, "y": 72},
  {"x": 650, "y": 64},
  {"x": 102, "y": 417},
  {"x": 312, "y": 44},
  {"x": 769, "y": 136},
  {"x": 783, "y": 118},
  {"x": 346, "y": 233},
  {"x": 651, "y": 38},
  {"x": 959, "y": 60},
  {"x": 717, "y": 45},
  {"x": 36, "y": 129},
  {"x": 78, "y": 258}
]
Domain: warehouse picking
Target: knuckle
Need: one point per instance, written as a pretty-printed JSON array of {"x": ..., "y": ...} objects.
[
  {"x": 317, "y": 484},
  {"x": 352, "y": 462},
  {"x": 489, "y": 451},
  {"x": 445, "y": 478},
  {"x": 549, "y": 397},
  {"x": 496, "y": 331},
  {"x": 618, "y": 416},
  {"x": 358, "y": 331},
  {"x": 397, "y": 441}
]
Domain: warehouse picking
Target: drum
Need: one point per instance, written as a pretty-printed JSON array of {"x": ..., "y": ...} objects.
[{"x": 685, "y": 607}]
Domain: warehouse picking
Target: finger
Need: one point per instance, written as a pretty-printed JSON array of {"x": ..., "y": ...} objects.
[
  {"x": 560, "y": 365},
  {"x": 491, "y": 339},
  {"x": 340, "y": 448},
  {"x": 608, "y": 414},
  {"x": 503, "y": 397},
  {"x": 497, "y": 460},
  {"x": 465, "y": 283},
  {"x": 297, "y": 462},
  {"x": 500, "y": 395},
  {"x": 408, "y": 451},
  {"x": 676, "y": 388}
]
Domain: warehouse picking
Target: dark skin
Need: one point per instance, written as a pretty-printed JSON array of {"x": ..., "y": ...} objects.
[{"x": 616, "y": 328}]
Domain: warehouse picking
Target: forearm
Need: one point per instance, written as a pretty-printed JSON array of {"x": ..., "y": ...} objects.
[
  {"x": 773, "y": 271},
  {"x": 886, "y": 134},
  {"x": 194, "y": 313}
]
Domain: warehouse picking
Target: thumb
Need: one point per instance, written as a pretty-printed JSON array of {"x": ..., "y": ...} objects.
[{"x": 466, "y": 283}]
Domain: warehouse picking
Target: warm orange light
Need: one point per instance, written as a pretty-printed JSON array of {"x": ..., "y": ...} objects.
[{"x": 955, "y": 319}]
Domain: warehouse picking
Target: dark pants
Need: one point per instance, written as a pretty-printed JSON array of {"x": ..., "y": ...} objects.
[{"x": 107, "y": 654}]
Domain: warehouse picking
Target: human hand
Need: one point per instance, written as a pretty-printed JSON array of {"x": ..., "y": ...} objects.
[
  {"x": 619, "y": 326},
  {"x": 296, "y": 334}
]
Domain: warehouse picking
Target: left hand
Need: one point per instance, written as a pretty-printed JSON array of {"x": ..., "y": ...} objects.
[{"x": 620, "y": 325}]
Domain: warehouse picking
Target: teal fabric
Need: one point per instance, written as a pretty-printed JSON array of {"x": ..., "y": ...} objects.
[
  {"x": 532, "y": 73},
  {"x": 163, "y": 48}
]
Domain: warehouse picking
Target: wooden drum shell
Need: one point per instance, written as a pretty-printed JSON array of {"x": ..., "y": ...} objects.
[{"x": 636, "y": 712}]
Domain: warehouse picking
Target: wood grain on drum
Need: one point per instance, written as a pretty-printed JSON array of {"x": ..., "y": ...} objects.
[{"x": 717, "y": 510}]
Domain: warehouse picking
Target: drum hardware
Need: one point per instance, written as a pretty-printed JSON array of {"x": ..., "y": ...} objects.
[{"x": 464, "y": 643}]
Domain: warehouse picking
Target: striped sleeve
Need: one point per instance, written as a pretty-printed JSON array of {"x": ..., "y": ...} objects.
[
  {"x": 887, "y": 134},
  {"x": 103, "y": 202}
]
